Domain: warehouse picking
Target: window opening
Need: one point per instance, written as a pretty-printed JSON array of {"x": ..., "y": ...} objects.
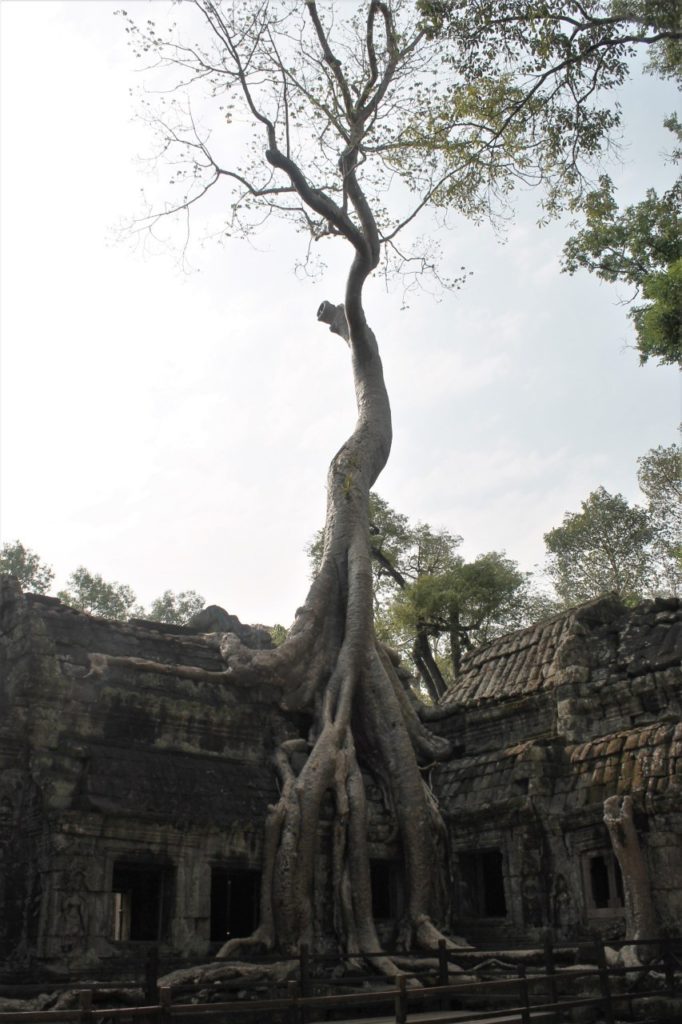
[
  {"x": 383, "y": 880},
  {"x": 140, "y": 896},
  {"x": 599, "y": 879},
  {"x": 482, "y": 884},
  {"x": 235, "y": 897},
  {"x": 604, "y": 881}
]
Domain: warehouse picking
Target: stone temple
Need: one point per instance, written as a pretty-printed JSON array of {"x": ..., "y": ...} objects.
[{"x": 132, "y": 803}]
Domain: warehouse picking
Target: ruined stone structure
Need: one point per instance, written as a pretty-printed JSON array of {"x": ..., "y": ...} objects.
[
  {"x": 132, "y": 803},
  {"x": 555, "y": 720}
]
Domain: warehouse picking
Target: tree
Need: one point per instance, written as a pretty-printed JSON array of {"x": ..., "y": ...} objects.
[
  {"x": 660, "y": 480},
  {"x": 430, "y": 603},
  {"x": 466, "y": 605},
  {"x": 342, "y": 104},
  {"x": 606, "y": 547},
  {"x": 641, "y": 247},
  {"x": 554, "y": 61},
  {"x": 402, "y": 552},
  {"x": 33, "y": 574},
  {"x": 175, "y": 608},
  {"x": 90, "y": 592},
  {"x": 548, "y": 64}
]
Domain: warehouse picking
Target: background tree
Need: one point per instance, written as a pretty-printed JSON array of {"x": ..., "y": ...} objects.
[
  {"x": 432, "y": 605},
  {"x": 639, "y": 246},
  {"x": 550, "y": 64},
  {"x": 660, "y": 480},
  {"x": 613, "y": 546},
  {"x": 90, "y": 592},
  {"x": 555, "y": 61},
  {"x": 33, "y": 574},
  {"x": 175, "y": 608},
  {"x": 464, "y": 606},
  {"x": 606, "y": 547}
]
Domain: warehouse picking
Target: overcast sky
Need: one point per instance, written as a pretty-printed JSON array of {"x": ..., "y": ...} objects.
[{"x": 172, "y": 430}]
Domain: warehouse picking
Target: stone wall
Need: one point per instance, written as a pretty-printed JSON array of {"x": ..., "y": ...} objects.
[
  {"x": 127, "y": 769},
  {"x": 553, "y": 721},
  {"x": 144, "y": 787}
]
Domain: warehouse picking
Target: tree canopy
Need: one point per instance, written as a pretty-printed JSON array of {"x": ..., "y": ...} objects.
[
  {"x": 660, "y": 480},
  {"x": 551, "y": 64},
  {"x": 548, "y": 65},
  {"x": 90, "y": 592},
  {"x": 19, "y": 561},
  {"x": 606, "y": 547},
  {"x": 460, "y": 103},
  {"x": 639, "y": 246},
  {"x": 176, "y": 608}
]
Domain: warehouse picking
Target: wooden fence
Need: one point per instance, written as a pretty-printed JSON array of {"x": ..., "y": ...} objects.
[{"x": 524, "y": 996}]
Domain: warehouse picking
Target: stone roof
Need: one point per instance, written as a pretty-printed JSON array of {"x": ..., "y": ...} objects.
[
  {"x": 647, "y": 762},
  {"x": 572, "y": 647}
]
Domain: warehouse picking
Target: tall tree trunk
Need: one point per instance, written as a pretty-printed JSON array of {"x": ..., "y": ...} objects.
[
  {"x": 332, "y": 666},
  {"x": 426, "y": 665},
  {"x": 455, "y": 643},
  {"x": 640, "y": 916}
]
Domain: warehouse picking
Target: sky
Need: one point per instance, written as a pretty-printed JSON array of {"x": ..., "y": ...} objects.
[{"x": 170, "y": 427}]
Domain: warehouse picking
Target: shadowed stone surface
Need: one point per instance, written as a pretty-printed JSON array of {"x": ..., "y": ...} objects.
[{"x": 136, "y": 782}]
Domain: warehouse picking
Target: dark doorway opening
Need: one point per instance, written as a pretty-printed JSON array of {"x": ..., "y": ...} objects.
[
  {"x": 142, "y": 894},
  {"x": 482, "y": 884},
  {"x": 234, "y": 903},
  {"x": 383, "y": 889},
  {"x": 606, "y": 881}
]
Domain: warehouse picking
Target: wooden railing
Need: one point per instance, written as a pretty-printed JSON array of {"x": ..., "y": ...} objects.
[{"x": 516, "y": 995}]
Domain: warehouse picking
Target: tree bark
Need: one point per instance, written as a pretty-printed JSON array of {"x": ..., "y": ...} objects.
[
  {"x": 640, "y": 916},
  {"x": 426, "y": 665},
  {"x": 362, "y": 714}
]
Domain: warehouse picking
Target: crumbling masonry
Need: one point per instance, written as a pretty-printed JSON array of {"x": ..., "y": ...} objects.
[{"x": 132, "y": 803}]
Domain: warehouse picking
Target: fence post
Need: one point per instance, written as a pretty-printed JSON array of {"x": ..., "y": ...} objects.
[
  {"x": 151, "y": 975},
  {"x": 550, "y": 968},
  {"x": 292, "y": 995},
  {"x": 669, "y": 962},
  {"x": 604, "y": 983},
  {"x": 165, "y": 1004},
  {"x": 525, "y": 997},
  {"x": 85, "y": 1004},
  {"x": 400, "y": 999},
  {"x": 443, "y": 973},
  {"x": 304, "y": 976}
]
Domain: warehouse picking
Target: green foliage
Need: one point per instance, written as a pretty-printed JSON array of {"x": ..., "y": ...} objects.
[
  {"x": 32, "y": 573},
  {"x": 606, "y": 547},
  {"x": 532, "y": 78},
  {"x": 660, "y": 480},
  {"x": 430, "y": 603},
  {"x": 89, "y": 592},
  {"x": 175, "y": 608},
  {"x": 639, "y": 246},
  {"x": 465, "y": 605},
  {"x": 612, "y": 546},
  {"x": 461, "y": 102},
  {"x": 659, "y": 322},
  {"x": 278, "y": 634},
  {"x": 659, "y": 475}
]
